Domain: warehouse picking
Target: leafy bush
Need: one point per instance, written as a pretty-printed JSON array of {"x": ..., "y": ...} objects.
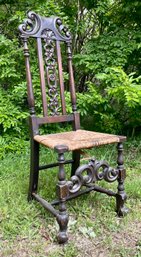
[
  {"x": 112, "y": 98},
  {"x": 107, "y": 70},
  {"x": 114, "y": 105},
  {"x": 12, "y": 108},
  {"x": 112, "y": 48}
]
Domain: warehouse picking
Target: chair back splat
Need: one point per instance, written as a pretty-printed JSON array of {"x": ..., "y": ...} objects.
[
  {"x": 50, "y": 34},
  {"x": 51, "y": 38}
]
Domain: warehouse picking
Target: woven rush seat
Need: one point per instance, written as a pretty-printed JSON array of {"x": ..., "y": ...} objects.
[{"x": 78, "y": 139}]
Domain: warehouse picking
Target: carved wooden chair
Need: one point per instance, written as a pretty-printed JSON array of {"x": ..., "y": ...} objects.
[{"x": 50, "y": 34}]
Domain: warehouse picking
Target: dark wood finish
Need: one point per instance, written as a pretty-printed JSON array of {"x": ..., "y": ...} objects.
[
  {"x": 62, "y": 193},
  {"x": 121, "y": 195},
  {"x": 55, "y": 119},
  {"x": 30, "y": 94},
  {"x": 71, "y": 78},
  {"x": 34, "y": 158},
  {"x": 76, "y": 123},
  {"x": 52, "y": 165},
  {"x": 76, "y": 161},
  {"x": 42, "y": 78},
  {"x": 34, "y": 168},
  {"x": 86, "y": 191},
  {"x": 45, "y": 204},
  {"x": 50, "y": 34},
  {"x": 60, "y": 71}
]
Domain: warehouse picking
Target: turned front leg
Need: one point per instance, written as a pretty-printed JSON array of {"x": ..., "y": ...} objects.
[
  {"x": 121, "y": 195},
  {"x": 62, "y": 193}
]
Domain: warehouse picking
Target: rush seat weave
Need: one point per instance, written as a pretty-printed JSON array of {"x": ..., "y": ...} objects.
[{"x": 78, "y": 139}]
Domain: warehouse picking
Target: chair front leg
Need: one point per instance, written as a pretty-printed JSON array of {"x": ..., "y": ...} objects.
[
  {"x": 121, "y": 195},
  {"x": 34, "y": 169},
  {"x": 62, "y": 193}
]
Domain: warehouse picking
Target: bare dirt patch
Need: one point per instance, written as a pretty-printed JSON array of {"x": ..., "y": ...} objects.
[{"x": 126, "y": 242}]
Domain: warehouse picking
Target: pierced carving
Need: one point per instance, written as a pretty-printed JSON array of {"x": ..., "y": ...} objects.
[
  {"x": 51, "y": 72},
  {"x": 93, "y": 171},
  {"x": 107, "y": 173},
  {"x": 31, "y": 25},
  {"x": 48, "y": 34}
]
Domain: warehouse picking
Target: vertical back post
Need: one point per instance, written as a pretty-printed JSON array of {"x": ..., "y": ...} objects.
[
  {"x": 60, "y": 71},
  {"x": 42, "y": 77},
  {"x": 76, "y": 124},
  {"x": 31, "y": 101},
  {"x": 71, "y": 78}
]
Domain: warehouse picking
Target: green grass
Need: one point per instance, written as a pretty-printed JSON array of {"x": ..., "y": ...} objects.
[{"x": 26, "y": 229}]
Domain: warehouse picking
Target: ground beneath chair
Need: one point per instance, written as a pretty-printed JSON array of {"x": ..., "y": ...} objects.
[{"x": 123, "y": 243}]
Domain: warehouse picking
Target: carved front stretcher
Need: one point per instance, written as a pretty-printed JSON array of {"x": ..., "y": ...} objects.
[{"x": 49, "y": 33}]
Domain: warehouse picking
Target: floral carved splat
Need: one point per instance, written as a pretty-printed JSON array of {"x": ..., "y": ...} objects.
[{"x": 50, "y": 63}]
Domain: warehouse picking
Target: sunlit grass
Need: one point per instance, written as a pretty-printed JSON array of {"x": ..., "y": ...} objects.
[{"x": 90, "y": 215}]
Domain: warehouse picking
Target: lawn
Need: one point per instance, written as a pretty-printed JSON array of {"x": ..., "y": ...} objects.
[{"x": 26, "y": 229}]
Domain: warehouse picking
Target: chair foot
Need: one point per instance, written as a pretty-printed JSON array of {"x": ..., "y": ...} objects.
[
  {"x": 121, "y": 209},
  {"x": 63, "y": 222}
]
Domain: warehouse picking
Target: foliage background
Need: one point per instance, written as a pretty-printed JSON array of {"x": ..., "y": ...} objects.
[{"x": 107, "y": 57}]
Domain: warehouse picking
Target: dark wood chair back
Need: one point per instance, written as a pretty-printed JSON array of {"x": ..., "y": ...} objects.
[{"x": 50, "y": 33}]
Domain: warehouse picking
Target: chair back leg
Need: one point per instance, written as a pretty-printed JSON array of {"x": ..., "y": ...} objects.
[
  {"x": 34, "y": 169},
  {"x": 76, "y": 161}
]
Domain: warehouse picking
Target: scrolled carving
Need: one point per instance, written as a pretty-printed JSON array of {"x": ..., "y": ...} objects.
[
  {"x": 35, "y": 26},
  {"x": 89, "y": 176},
  {"x": 31, "y": 25},
  {"x": 74, "y": 184},
  {"x": 110, "y": 174},
  {"x": 62, "y": 29},
  {"x": 79, "y": 179},
  {"x": 104, "y": 171},
  {"x": 90, "y": 173}
]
